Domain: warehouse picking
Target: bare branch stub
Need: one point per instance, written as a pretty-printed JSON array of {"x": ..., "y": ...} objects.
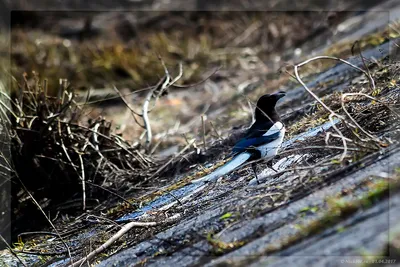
[{"x": 159, "y": 90}]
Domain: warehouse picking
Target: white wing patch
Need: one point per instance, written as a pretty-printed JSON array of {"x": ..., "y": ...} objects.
[
  {"x": 271, "y": 149},
  {"x": 278, "y": 126}
]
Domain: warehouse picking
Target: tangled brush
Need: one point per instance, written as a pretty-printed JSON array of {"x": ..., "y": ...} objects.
[{"x": 56, "y": 154}]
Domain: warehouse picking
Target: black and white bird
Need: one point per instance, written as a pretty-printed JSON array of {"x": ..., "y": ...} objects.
[{"x": 262, "y": 140}]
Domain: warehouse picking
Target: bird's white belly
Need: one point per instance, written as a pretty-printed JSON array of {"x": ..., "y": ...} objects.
[{"x": 271, "y": 149}]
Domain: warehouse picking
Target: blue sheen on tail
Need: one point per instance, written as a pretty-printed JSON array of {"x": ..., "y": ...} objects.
[{"x": 234, "y": 163}]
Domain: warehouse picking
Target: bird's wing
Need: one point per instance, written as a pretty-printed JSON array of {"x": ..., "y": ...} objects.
[
  {"x": 257, "y": 137},
  {"x": 247, "y": 143},
  {"x": 273, "y": 133},
  {"x": 258, "y": 129}
]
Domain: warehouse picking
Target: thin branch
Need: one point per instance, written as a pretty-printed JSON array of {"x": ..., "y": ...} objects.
[
  {"x": 37, "y": 233},
  {"x": 133, "y": 113},
  {"x": 332, "y": 113},
  {"x": 215, "y": 130},
  {"x": 363, "y": 61},
  {"x": 204, "y": 132},
  {"x": 102, "y": 135},
  {"x": 198, "y": 83},
  {"x": 331, "y": 58},
  {"x": 76, "y": 170},
  {"x": 146, "y": 117},
  {"x": 124, "y": 229},
  {"x": 344, "y": 141},
  {"x": 163, "y": 85},
  {"x": 145, "y": 110},
  {"x": 83, "y": 182},
  {"x": 372, "y": 98},
  {"x": 115, "y": 97}
]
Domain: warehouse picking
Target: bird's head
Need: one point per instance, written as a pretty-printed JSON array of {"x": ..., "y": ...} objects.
[
  {"x": 270, "y": 99},
  {"x": 266, "y": 104}
]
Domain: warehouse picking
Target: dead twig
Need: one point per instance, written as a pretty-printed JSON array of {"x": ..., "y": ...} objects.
[
  {"x": 215, "y": 130},
  {"x": 157, "y": 92},
  {"x": 363, "y": 61},
  {"x": 76, "y": 170},
  {"x": 133, "y": 113},
  {"x": 83, "y": 182},
  {"x": 145, "y": 109},
  {"x": 114, "y": 97},
  {"x": 333, "y": 113},
  {"x": 374, "y": 99},
  {"x": 371, "y": 80},
  {"x": 344, "y": 141},
  {"x": 204, "y": 131},
  {"x": 124, "y": 229},
  {"x": 198, "y": 83}
]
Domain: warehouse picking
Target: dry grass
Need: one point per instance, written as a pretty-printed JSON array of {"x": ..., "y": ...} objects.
[
  {"x": 200, "y": 40},
  {"x": 57, "y": 156}
]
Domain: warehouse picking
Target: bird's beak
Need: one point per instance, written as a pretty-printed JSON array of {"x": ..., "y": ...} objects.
[{"x": 280, "y": 94}]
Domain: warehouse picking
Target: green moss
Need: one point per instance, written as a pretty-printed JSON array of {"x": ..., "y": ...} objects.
[
  {"x": 226, "y": 216},
  {"x": 306, "y": 123},
  {"x": 312, "y": 209},
  {"x": 220, "y": 247},
  {"x": 337, "y": 210}
]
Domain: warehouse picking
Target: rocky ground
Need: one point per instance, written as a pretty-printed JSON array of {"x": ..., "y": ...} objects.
[
  {"x": 325, "y": 206},
  {"x": 295, "y": 217}
]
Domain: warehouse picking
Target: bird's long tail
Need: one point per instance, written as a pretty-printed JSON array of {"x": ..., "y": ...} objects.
[{"x": 231, "y": 165}]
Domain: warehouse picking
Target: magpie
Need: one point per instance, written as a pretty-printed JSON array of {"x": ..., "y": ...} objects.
[{"x": 262, "y": 140}]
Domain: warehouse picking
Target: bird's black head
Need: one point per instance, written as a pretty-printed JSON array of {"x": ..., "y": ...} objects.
[{"x": 266, "y": 104}]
